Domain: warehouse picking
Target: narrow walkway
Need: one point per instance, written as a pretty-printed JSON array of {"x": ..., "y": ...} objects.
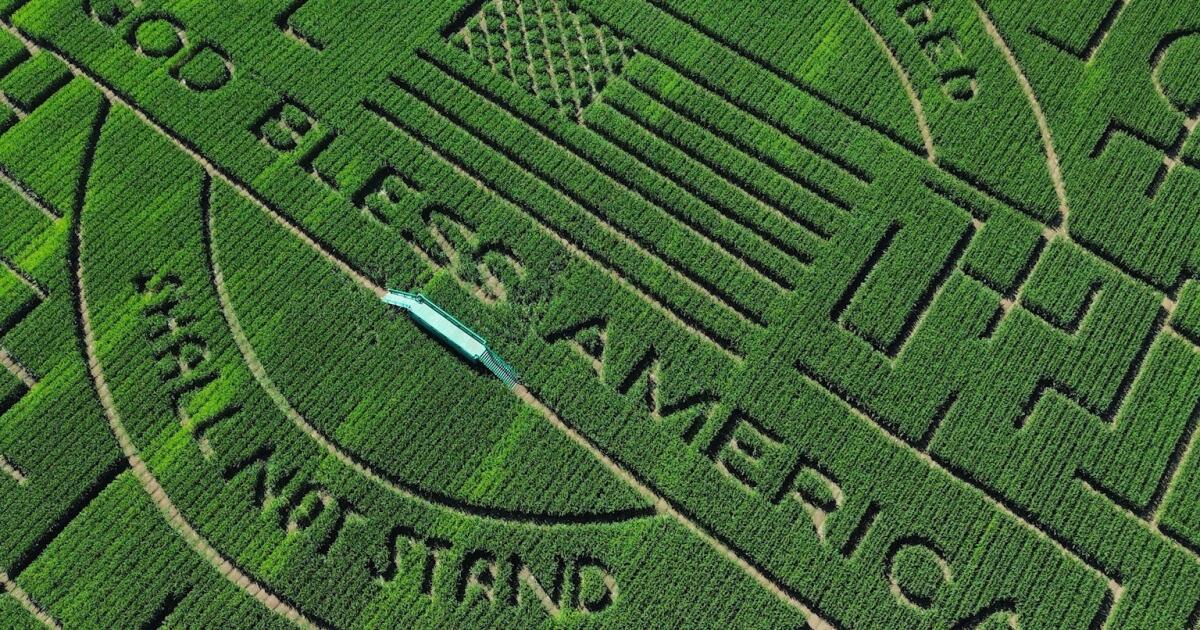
[
  {"x": 1052, "y": 163},
  {"x": 144, "y": 475},
  {"x": 19, "y": 594},
  {"x": 185, "y": 529},
  {"x": 914, "y": 99}
]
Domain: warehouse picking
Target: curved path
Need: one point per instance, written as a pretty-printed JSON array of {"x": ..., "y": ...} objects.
[
  {"x": 913, "y": 98},
  {"x": 1052, "y": 163},
  {"x": 660, "y": 503},
  {"x": 144, "y": 475},
  {"x": 408, "y": 491},
  {"x": 150, "y": 484}
]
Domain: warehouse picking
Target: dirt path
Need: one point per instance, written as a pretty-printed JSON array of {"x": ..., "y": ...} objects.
[
  {"x": 25, "y": 279},
  {"x": 663, "y": 506},
  {"x": 117, "y": 99},
  {"x": 13, "y": 472},
  {"x": 17, "y": 370},
  {"x": 29, "y": 196},
  {"x": 1115, "y": 588},
  {"x": 1056, "y": 176},
  {"x": 913, "y": 98},
  {"x": 202, "y": 546},
  {"x": 507, "y": 42},
  {"x": 19, "y": 594},
  {"x": 144, "y": 475},
  {"x": 1052, "y": 162},
  {"x": 1062, "y": 231},
  {"x": 660, "y": 503},
  {"x": 258, "y": 370}
]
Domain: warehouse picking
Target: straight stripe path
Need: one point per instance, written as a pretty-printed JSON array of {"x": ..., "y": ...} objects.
[{"x": 193, "y": 538}]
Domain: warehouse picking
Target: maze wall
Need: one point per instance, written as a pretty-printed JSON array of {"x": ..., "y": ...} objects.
[{"x": 847, "y": 314}]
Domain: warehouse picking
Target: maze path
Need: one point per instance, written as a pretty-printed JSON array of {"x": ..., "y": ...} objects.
[
  {"x": 1087, "y": 52},
  {"x": 396, "y": 122},
  {"x": 286, "y": 24},
  {"x": 29, "y": 196},
  {"x": 662, "y": 505},
  {"x": 72, "y": 511},
  {"x": 145, "y": 477},
  {"x": 26, "y": 383},
  {"x": 17, "y": 370},
  {"x": 776, "y": 229},
  {"x": 1114, "y": 586},
  {"x": 1059, "y": 229},
  {"x": 231, "y": 571},
  {"x": 997, "y": 501},
  {"x": 693, "y": 99},
  {"x": 28, "y": 483},
  {"x": 1053, "y": 230},
  {"x": 39, "y": 294},
  {"x": 1052, "y": 162},
  {"x": 821, "y": 111},
  {"x": 29, "y": 281},
  {"x": 1149, "y": 517},
  {"x": 221, "y": 563},
  {"x": 761, "y": 62},
  {"x": 13, "y": 472},
  {"x": 665, "y": 506},
  {"x": 738, "y": 154}
]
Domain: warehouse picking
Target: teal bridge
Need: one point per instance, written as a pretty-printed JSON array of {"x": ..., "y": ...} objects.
[{"x": 456, "y": 334}]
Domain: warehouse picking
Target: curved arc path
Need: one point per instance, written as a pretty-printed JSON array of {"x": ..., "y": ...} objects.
[
  {"x": 144, "y": 475},
  {"x": 910, "y": 91},
  {"x": 151, "y": 485},
  {"x": 1053, "y": 165},
  {"x": 330, "y": 446}
]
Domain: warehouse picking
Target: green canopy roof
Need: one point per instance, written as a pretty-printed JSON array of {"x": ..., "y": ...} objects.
[{"x": 456, "y": 334}]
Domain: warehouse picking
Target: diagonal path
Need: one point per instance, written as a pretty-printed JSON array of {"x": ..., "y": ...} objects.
[
  {"x": 329, "y": 445},
  {"x": 143, "y": 473},
  {"x": 1052, "y": 163},
  {"x": 152, "y": 486},
  {"x": 30, "y": 606}
]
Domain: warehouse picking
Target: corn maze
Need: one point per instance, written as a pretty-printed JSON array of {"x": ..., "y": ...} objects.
[{"x": 828, "y": 314}]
